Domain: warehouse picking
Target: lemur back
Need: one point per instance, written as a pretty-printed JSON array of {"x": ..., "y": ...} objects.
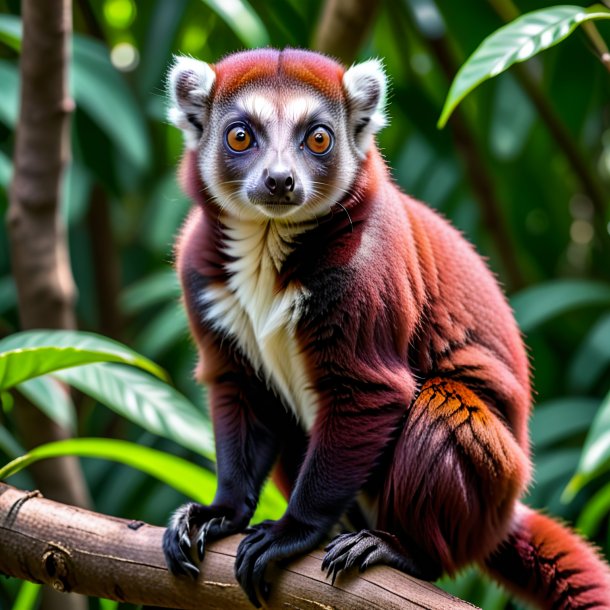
[{"x": 352, "y": 341}]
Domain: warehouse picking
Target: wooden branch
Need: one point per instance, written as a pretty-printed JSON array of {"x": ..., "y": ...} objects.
[{"x": 77, "y": 550}]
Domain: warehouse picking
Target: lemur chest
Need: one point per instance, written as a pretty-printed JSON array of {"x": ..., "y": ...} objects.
[{"x": 262, "y": 319}]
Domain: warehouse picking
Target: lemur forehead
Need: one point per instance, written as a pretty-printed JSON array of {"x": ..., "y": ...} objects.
[
  {"x": 286, "y": 68},
  {"x": 268, "y": 106}
]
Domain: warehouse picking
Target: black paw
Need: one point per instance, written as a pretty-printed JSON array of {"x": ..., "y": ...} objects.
[
  {"x": 266, "y": 542},
  {"x": 364, "y": 549},
  {"x": 191, "y": 526}
]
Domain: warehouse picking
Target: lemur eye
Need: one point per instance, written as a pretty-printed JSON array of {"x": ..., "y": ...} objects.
[
  {"x": 319, "y": 140},
  {"x": 239, "y": 138}
]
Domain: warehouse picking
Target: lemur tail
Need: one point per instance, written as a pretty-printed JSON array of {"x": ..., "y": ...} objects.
[{"x": 545, "y": 563}]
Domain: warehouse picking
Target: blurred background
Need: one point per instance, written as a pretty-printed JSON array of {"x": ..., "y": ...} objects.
[{"x": 522, "y": 168}]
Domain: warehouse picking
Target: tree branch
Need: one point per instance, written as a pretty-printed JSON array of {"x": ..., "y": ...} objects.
[{"x": 73, "y": 549}]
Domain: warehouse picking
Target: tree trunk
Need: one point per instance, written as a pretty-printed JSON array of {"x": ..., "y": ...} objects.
[
  {"x": 77, "y": 550},
  {"x": 344, "y": 26},
  {"x": 39, "y": 252}
]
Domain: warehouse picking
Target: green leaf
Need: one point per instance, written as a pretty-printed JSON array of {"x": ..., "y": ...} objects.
[
  {"x": 536, "y": 305},
  {"x": 560, "y": 419},
  {"x": 53, "y": 400},
  {"x": 38, "y": 352},
  {"x": 10, "y": 31},
  {"x": 9, "y": 445},
  {"x": 6, "y": 171},
  {"x": 595, "y": 456},
  {"x": 187, "y": 478},
  {"x": 515, "y": 42},
  {"x": 594, "y": 512},
  {"x": 27, "y": 597},
  {"x": 152, "y": 404},
  {"x": 166, "y": 328},
  {"x": 153, "y": 290},
  {"x": 104, "y": 95},
  {"x": 9, "y": 100},
  {"x": 243, "y": 20},
  {"x": 592, "y": 357}
]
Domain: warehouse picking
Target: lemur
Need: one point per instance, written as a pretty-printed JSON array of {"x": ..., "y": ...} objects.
[{"x": 352, "y": 341}]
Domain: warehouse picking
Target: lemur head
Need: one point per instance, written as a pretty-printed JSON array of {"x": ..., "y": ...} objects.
[{"x": 277, "y": 134}]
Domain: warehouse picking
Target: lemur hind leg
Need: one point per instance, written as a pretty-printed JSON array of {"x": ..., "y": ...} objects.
[{"x": 448, "y": 499}]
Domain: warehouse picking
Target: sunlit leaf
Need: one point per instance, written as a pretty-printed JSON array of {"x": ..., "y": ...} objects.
[
  {"x": 53, "y": 400},
  {"x": 33, "y": 353},
  {"x": 536, "y": 305},
  {"x": 592, "y": 357},
  {"x": 515, "y": 42},
  {"x": 595, "y": 456},
  {"x": 242, "y": 19},
  {"x": 594, "y": 512},
  {"x": 187, "y": 478},
  {"x": 27, "y": 597},
  {"x": 152, "y": 404},
  {"x": 10, "y": 31},
  {"x": 9, "y": 100}
]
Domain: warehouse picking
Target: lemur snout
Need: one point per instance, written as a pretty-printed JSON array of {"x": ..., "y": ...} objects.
[{"x": 278, "y": 180}]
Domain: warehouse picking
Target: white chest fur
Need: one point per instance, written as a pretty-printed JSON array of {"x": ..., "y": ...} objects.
[{"x": 251, "y": 310}]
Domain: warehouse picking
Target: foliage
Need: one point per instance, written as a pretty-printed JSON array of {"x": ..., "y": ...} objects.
[{"x": 522, "y": 168}]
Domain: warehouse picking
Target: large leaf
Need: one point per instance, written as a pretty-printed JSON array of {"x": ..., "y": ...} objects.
[
  {"x": 152, "y": 404},
  {"x": 38, "y": 352},
  {"x": 519, "y": 40},
  {"x": 188, "y": 478},
  {"x": 595, "y": 456},
  {"x": 53, "y": 400},
  {"x": 243, "y": 20},
  {"x": 536, "y": 305},
  {"x": 592, "y": 357}
]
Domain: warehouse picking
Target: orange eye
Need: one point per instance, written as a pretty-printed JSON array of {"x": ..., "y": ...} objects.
[
  {"x": 319, "y": 140},
  {"x": 239, "y": 138}
]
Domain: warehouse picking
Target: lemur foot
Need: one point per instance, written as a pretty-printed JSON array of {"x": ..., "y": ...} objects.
[
  {"x": 191, "y": 526},
  {"x": 367, "y": 548}
]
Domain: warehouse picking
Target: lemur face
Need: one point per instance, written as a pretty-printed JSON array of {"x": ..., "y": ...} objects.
[{"x": 278, "y": 134}]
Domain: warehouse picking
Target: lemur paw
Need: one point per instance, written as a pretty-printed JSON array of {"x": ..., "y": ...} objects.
[
  {"x": 266, "y": 542},
  {"x": 191, "y": 526},
  {"x": 365, "y": 549}
]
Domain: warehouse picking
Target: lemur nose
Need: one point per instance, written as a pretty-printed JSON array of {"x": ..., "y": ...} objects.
[{"x": 278, "y": 181}]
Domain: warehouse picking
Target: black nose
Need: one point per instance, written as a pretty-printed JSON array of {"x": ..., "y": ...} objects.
[{"x": 278, "y": 181}]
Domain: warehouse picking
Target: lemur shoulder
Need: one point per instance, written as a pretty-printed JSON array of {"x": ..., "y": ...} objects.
[{"x": 352, "y": 342}]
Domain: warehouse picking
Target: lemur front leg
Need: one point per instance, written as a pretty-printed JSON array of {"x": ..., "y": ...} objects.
[
  {"x": 246, "y": 447},
  {"x": 347, "y": 442}
]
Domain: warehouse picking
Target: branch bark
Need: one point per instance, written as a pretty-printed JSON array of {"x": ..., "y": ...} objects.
[{"x": 73, "y": 549}]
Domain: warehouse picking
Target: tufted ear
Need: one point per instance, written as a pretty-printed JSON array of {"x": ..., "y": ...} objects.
[
  {"x": 190, "y": 83},
  {"x": 365, "y": 87}
]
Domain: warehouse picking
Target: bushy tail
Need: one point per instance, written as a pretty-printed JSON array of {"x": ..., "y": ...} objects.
[{"x": 547, "y": 564}]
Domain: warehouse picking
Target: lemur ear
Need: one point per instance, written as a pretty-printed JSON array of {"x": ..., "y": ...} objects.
[
  {"x": 189, "y": 85},
  {"x": 365, "y": 86}
]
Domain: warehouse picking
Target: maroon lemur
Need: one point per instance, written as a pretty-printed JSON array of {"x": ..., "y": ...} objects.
[{"x": 353, "y": 342}]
